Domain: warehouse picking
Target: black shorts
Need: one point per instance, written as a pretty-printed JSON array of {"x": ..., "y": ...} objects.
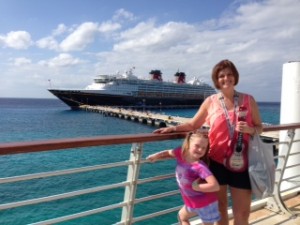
[{"x": 227, "y": 177}]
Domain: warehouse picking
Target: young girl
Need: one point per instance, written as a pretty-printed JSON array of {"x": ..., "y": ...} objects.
[{"x": 196, "y": 183}]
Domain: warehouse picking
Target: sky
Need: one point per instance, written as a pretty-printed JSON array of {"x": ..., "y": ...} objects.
[{"x": 66, "y": 43}]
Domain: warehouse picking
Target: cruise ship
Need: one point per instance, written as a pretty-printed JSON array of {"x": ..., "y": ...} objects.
[{"x": 127, "y": 90}]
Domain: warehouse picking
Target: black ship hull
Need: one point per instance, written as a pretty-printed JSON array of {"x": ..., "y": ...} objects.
[{"x": 76, "y": 98}]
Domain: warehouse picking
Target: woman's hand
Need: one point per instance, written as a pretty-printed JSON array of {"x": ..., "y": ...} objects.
[
  {"x": 165, "y": 130},
  {"x": 243, "y": 127}
]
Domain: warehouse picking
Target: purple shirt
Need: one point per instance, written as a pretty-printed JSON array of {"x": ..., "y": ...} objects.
[{"x": 186, "y": 174}]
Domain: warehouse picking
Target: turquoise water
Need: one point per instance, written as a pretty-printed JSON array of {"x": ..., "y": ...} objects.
[{"x": 28, "y": 119}]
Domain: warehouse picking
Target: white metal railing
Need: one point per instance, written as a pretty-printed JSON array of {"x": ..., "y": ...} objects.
[
  {"x": 286, "y": 180},
  {"x": 131, "y": 184}
]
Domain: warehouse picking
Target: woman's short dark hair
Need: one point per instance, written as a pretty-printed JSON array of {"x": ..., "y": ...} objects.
[{"x": 220, "y": 66}]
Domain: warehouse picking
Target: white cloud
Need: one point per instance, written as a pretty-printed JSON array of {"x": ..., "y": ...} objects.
[
  {"x": 16, "y": 40},
  {"x": 80, "y": 38},
  {"x": 61, "y": 28},
  {"x": 48, "y": 43},
  {"x": 242, "y": 46},
  {"x": 22, "y": 61},
  {"x": 109, "y": 27},
  {"x": 122, "y": 14},
  {"x": 267, "y": 14},
  {"x": 62, "y": 60},
  {"x": 147, "y": 36}
]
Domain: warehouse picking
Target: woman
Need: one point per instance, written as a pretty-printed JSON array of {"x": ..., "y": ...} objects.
[{"x": 220, "y": 113}]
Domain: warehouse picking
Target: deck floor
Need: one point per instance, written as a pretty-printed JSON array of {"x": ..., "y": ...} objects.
[{"x": 267, "y": 217}]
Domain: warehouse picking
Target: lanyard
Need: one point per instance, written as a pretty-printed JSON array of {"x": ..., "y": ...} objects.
[{"x": 230, "y": 125}]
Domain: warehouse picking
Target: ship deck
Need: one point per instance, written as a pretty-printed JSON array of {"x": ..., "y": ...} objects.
[
  {"x": 265, "y": 216},
  {"x": 261, "y": 215}
]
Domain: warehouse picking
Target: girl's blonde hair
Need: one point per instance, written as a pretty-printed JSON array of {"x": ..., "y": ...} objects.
[{"x": 186, "y": 143}]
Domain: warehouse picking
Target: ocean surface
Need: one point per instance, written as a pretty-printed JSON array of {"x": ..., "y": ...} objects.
[{"x": 41, "y": 119}]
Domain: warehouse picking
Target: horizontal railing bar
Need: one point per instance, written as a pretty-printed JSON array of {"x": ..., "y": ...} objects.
[
  {"x": 81, "y": 214},
  {"x": 289, "y": 178},
  {"x": 62, "y": 196},
  {"x": 62, "y": 172},
  {"x": 160, "y": 213},
  {"x": 287, "y": 142},
  {"x": 152, "y": 197},
  {"x": 50, "y": 145},
  {"x": 291, "y": 188},
  {"x": 156, "y": 178},
  {"x": 281, "y": 127},
  {"x": 294, "y": 153},
  {"x": 283, "y": 142},
  {"x": 113, "y": 206},
  {"x": 276, "y": 157},
  {"x": 294, "y": 181},
  {"x": 292, "y": 166}
]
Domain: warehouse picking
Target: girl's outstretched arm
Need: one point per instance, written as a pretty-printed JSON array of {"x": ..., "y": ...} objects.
[
  {"x": 210, "y": 185},
  {"x": 166, "y": 154}
]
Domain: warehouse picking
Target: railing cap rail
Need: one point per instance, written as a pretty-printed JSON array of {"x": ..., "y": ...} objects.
[
  {"x": 281, "y": 127},
  {"x": 48, "y": 145}
]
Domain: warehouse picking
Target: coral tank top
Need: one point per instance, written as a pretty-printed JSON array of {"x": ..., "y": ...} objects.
[{"x": 219, "y": 135}]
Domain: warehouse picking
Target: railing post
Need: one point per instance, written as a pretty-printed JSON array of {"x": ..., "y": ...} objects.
[
  {"x": 276, "y": 202},
  {"x": 132, "y": 176}
]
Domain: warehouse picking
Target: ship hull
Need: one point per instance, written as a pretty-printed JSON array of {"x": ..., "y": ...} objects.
[{"x": 76, "y": 98}]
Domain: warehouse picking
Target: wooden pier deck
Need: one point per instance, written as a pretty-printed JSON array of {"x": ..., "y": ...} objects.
[
  {"x": 146, "y": 117},
  {"x": 155, "y": 119}
]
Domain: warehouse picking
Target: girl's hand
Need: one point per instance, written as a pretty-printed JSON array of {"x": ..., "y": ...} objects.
[
  {"x": 210, "y": 184},
  {"x": 152, "y": 158},
  {"x": 165, "y": 154},
  {"x": 196, "y": 183}
]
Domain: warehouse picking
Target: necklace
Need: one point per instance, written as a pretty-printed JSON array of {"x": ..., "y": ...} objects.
[{"x": 230, "y": 125}]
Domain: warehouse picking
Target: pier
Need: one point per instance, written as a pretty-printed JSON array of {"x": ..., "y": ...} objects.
[
  {"x": 156, "y": 119},
  {"x": 144, "y": 116}
]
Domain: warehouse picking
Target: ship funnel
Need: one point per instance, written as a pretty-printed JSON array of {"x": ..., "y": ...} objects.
[
  {"x": 156, "y": 75},
  {"x": 180, "y": 78}
]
